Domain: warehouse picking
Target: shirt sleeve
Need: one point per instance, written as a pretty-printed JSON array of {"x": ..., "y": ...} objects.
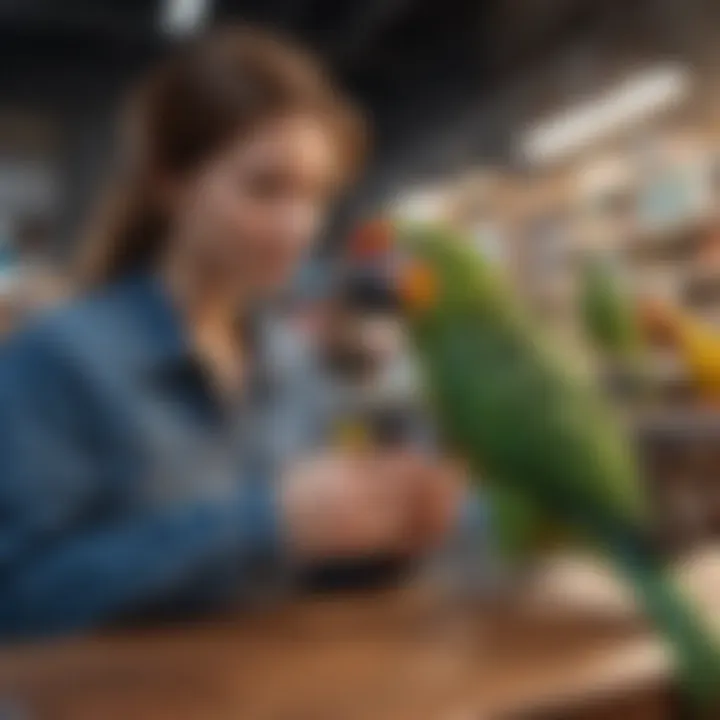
[{"x": 65, "y": 563}]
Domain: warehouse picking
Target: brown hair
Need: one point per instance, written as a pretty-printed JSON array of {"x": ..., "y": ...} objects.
[{"x": 193, "y": 103}]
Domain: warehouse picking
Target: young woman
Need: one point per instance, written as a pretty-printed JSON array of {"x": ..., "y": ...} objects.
[{"x": 159, "y": 439}]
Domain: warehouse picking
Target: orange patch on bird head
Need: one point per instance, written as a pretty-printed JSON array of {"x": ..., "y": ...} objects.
[{"x": 417, "y": 286}]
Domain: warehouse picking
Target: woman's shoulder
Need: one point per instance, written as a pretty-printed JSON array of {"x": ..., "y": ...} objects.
[{"x": 84, "y": 321}]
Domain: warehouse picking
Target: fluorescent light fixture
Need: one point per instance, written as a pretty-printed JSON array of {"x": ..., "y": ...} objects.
[
  {"x": 182, "y": 17},
  {"x": 634, "y": 100}
]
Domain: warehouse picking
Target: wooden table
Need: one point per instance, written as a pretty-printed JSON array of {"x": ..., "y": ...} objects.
[{"x": 405, "y": 654}]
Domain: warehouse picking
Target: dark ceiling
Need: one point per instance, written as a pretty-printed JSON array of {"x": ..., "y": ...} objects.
[
  {"x": 413, "y": 64},
  {"x": 393, "y": 54}
]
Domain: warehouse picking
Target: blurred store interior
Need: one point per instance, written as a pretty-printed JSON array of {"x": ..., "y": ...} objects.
[
  {"x": 451, "y": 86},
  {"x": 547, "y": 127},
  {"x": 550, "y": 130}
]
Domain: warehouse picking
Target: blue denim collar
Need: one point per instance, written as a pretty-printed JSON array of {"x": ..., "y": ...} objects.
[{"x": 163, "y": 344}]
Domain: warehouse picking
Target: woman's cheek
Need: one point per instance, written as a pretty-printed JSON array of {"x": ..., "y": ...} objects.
[
  {"x": 275, "y": 264},
  {"x": 289, "y": 235}
]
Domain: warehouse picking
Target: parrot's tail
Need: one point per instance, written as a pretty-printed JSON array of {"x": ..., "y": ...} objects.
[{"x": 696, "y": 646}]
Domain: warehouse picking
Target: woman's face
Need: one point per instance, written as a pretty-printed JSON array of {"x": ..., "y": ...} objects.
[{"x": 248, "y": 216}]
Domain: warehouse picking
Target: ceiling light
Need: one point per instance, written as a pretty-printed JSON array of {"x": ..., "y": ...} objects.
[
  {"x": 636, "y": 99},
  {"x": 182, "y": 17}
]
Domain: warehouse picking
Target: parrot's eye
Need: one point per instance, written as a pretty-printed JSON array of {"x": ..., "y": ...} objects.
[{"x": 417, "y": 286}]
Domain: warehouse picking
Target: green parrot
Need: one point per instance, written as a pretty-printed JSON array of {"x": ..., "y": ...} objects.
[
  {"x": 610, "y": 318},
  {"x": 547, "y": 445},
  {"x": 608, "y": 311}
]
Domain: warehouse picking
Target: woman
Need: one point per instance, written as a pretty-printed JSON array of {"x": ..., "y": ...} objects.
[{"x": 160, "y": 445}]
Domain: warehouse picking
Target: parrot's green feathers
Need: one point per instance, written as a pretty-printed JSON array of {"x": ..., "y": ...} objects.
[
  {"x": 540, "y": 435},
  {"x": 465, "y": 280},
  {"x": 505, "y": 395},
  {"x": 608, "y": 310}
]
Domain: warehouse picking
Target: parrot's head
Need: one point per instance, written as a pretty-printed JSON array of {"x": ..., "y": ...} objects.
[
  {"x": 435, "y": 271},
  {"x": 432, "y": 270}
]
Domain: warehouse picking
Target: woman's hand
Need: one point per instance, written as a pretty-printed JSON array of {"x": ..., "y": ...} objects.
[
  {"x": 437, "y": 488},
  {"x": 343, "y": 504},
  {"x": 353, "y": 505}
]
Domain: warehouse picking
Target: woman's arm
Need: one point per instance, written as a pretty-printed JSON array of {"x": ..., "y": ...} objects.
[
  {"x": 91, "y": 577},
  {"x": 65, "y": 563}
]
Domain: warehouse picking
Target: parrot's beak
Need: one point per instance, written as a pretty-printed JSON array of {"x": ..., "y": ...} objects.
[
  {"x": 415, "y": 285},
  {"x": 410, "y": 285}
]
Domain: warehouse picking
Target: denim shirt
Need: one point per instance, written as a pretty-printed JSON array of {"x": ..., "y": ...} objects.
[{"x": 126, "y": 485}]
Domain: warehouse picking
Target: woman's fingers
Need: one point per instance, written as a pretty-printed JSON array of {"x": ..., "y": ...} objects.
[
  {"x": 366, "y": 504},
  {"x": 437, "y": 502},
  {"x": 420, "y": 493}
]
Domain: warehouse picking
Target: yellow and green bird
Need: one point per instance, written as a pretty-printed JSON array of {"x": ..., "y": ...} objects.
[
  {"x": 608, "y": 309},
  {"x": 549, "y": 448}
]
